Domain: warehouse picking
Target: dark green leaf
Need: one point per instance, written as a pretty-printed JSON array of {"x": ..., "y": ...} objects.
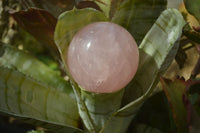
[
  {"x": 195, "y": 122},
  {"x": 156, "y": 113},
  {"x": 24, "y": 97},
  {"x": 175, "y": 91},
  {"x": 142, "y": 128},
  {"x": 39, "y": 23},
  {"x": 137, "y": 16},
  {"x": 193, "y": 7}
]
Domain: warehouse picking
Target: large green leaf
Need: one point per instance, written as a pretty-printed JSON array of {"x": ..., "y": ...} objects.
[
  {"x": 157, "y": 51},
  {"x": 137, "y": 16},
  {"x": 25, "y": 97},
  {"x": 13, "y": 58},
  {"x": 193, "y": 7},
  {"x": 65, "y": 30}
]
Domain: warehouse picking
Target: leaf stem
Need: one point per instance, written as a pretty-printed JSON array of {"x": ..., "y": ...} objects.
[{"x": 83, "y": 109}]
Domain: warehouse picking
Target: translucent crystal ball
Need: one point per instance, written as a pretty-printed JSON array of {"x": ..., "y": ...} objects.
[{"x": 103, "y": 57}]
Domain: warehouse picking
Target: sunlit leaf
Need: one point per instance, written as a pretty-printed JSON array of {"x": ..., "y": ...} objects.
[{"x": 137, "y": 16}]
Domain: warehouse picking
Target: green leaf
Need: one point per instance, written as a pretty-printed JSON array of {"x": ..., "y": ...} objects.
[
  {"x": 101, "y": 106},
  {"x": 55, "y": 7},
  {"x": 157, "y": 51},
  {"x": 24, "y": 97},
  {"x": 40, "y": 24},
  {"x": 30, "y": 66},
  {"x": 66, "y": 28},
  {"x": 142, "y": 128},
  {"x": 137, "y": 16},
  {"x": 175, "y": 91},
  {"x": 193, "y": 7},
  {"x": 120, "y": 120}
]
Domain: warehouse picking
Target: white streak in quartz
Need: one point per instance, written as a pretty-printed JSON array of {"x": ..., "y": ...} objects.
[
  {"x": 103, "y": 57},
  {"x": 88, "y": 45}
]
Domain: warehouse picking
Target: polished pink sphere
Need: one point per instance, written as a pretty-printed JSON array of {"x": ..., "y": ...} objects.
[{"x": 103, "y": 57}]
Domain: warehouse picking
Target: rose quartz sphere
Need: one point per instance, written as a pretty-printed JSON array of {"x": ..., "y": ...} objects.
[{"x": 103, "y": 57}]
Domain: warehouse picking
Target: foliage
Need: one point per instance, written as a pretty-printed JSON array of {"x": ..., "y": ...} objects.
[{"x": 36, "y": 93}]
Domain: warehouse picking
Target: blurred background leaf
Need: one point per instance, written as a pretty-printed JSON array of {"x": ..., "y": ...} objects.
[
  {"x": 11, "y": 57},
  {"x": 55, "y": 7},
  {"x": 40, "y": 24},
  {"x": 193, "y": 7}
]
